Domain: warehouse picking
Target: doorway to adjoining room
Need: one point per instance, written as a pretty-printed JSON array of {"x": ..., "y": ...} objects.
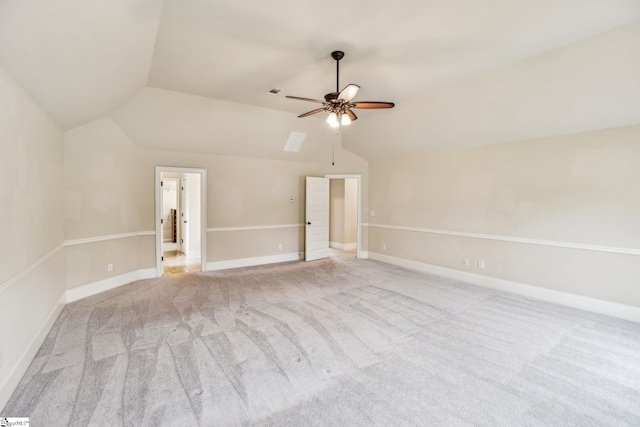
[
  {"x": 343, "y": 217},
  {"x": 332, "y": 216},
  {"x": 180, "y": 221}
]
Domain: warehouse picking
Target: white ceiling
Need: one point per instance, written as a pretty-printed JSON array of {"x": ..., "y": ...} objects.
[
  {"x": 78, "y": 59},
  {"x": 81, "y": 60}
]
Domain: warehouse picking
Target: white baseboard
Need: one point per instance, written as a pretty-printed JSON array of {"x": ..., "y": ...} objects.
[
  {"x": 364, "y": 254},
  {"x": 147, "y": 273},
  {"x": 7, "y": 389},
  {"x": 343, "y": 246},
  {"x": 193, "y": 254},
  {"x": 608, "y": 308},
  {"x": 85, "y": 291},
  {"x": 248, "y": 262}
]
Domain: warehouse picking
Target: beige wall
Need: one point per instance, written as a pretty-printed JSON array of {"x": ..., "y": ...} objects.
[
  {"x": 350, "y": 210},
  {"x": 31, "y": 175},
  {"x": 577, "y": 189},
  {"x": 101, "y": 201},
  {"x": 109, "y": 185},
  {"x": 241, "y": 192},
  {"x": 336, "y": 211},
  {"x": 343, "y": 212},
  {"x": 100, "y": 167},
  {"x": 87, "y": 263},
  {"x": 31, "y": 255}
]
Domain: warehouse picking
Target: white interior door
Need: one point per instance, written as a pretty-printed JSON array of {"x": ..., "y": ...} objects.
[
  {"x": 184, "y": 216},
  {"x": 316, "y": 236}
]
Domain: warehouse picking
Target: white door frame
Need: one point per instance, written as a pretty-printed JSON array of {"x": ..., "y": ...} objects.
[
  {"x": 357, "y": 176},
  {"x": 184, "y": 231},
  {"x": 203, "y": 213}
]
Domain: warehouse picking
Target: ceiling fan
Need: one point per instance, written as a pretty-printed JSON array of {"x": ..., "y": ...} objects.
[{"x": 339, "y": 103}]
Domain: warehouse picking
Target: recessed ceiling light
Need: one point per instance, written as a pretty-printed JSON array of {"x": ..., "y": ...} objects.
[{"x": 274, "y": 91}]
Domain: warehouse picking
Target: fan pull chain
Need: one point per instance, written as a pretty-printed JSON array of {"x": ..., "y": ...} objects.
[
  {"x": 333, "y": 151},
  {"x": 333, "y": 147}
]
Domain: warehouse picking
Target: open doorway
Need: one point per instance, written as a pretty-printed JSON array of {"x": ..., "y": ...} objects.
[
  {"x": 321, "y": 215},
  {"x": 343, "y": 217},
  {"x": 180, "y": 220}
]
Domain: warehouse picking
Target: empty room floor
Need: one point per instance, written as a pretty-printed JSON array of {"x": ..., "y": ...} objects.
[{"x": 339, "y": 341}]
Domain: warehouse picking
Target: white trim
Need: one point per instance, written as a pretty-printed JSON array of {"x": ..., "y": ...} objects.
[
  {"x": 19, "y": 275},
  {"x": 253, "y": 227},
  {"x": 248, "y": 262},
  {"x": 85, "y": 291},
  {"x": 20, "y": 368},
  {"x": 193, "y": 254},
  {"x": 364, "y": 254},
  {"x": 608, "y": 308},
  {"x": 357, "y": 176},
  {"x": 108, "y": 237},
  {"x": 582, "y": 246},
  {"x": 343, "y": 246}
]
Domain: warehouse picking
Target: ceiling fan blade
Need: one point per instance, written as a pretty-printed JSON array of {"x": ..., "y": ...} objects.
[
  {"x": 348, "y": 93},
  {"x": 319, "y": 110},
  {"x": 304, "y": 99},
  {"x": 373, "y": 104},
  {"x": 351, "y": 114}
]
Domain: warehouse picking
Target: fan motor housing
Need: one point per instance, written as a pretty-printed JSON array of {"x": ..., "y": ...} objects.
[{"x": 330, "y": 97}]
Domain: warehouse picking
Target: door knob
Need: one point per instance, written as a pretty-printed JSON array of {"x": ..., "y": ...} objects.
[{"x": 308, "y": 223}]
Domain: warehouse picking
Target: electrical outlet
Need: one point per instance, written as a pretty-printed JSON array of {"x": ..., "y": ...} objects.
[
  {"x": 373, "y": 213},
  {"x": 481, "y": 265},
  {"x": 280, "y": 246},
  {"x": 384, "y": 247},
  {"x": 465, "y": 262},
  {"x": 109, "y": 268}
]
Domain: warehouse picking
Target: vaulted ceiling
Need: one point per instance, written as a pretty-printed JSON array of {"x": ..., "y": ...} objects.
[{"x": 196, "y": 72}]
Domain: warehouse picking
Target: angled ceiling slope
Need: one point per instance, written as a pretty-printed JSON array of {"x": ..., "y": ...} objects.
[
  {"x": 81, "y": 60},
  {"x": 228, "y": 50},
  {"x": 78, "y": 59}
]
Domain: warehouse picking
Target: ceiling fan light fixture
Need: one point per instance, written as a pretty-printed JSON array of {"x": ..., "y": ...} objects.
[
  {"x": 333, "y": 120},
  {"x": 339, "y": 103}
]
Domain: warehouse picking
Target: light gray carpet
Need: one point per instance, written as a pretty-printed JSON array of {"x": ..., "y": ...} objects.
[{"x": 341, "y": 342}]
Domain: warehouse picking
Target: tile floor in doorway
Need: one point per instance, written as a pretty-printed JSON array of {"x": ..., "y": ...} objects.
[{"x": 176, "y": 262}]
